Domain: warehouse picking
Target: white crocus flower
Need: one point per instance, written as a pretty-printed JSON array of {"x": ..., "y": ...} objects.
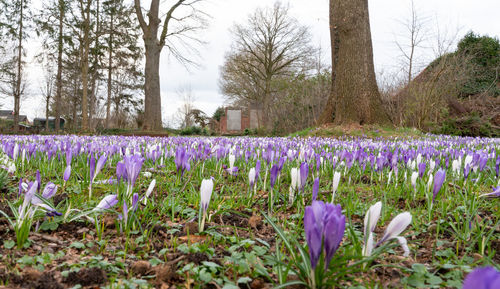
[
  {"x": 207, "y": 186},
  {"x": 232, "y": 159},
  {"x": 251, "y": 177},
  {"x": 335, "y": 185},
  {"x": 429, "y": 183},
  {"x": 455, "y": 167},
  {"x": 371, "y": 219},
  {"x": 295, "y": 176},
  {"x": 149, "y": 191},
  {"x": 414, "y": 177},
  {"x": 395, "y": 227}
]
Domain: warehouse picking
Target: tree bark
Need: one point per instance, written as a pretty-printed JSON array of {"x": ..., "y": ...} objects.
[
  {"x": 354, "y": 96},
  {"x": 152, "y": 112},
  {"x": 59, "y": 67},
  {"x": 153, "y": 45}
]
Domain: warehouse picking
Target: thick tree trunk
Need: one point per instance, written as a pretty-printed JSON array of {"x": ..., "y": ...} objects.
[
  {"x": 152, "y": 107},
  {"x": 59, "y": 66},
  {"x": 354, "y": 96}
]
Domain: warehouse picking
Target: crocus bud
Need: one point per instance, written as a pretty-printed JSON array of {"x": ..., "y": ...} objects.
[
  {"x": 207, "y": 186},
  {"x": 438, "y": 182},
  {"x": 251, "y": 177},
  {"x": 107, "y": 202},
  {"x": 67, "y": 173},
  {"x": 335, "y": 185}
]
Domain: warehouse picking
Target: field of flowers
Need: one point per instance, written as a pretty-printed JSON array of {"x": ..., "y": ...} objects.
[{"x": 143, "y": 212}]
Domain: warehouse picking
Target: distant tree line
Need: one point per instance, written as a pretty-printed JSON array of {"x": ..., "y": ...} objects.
[{"x": 92, "y": 57}]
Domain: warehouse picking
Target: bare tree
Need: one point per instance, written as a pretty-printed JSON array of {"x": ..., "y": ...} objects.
[
  {"x": 354, "y": 94},
  {"x": 270, "y": 46},
  {"x": 415, "y": 36},
  {"x": 184, "y": 114},
  {"x": 47, "y": 90},
  {"x": 182, "y": 21}
]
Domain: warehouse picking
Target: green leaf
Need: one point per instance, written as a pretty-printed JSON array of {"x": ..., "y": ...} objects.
[
  {"x": 77, "y": 245},
  {"x": 419, "y": 269},
  {"x": 434, "y": 280},
  {"x": 416, "y": 281},
  {"x": 9, "y": 244},
  {"x": 244, "y": 280}
]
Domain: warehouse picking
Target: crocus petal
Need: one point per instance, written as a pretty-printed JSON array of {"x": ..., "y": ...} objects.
[
  {"x": 404, "y": 244},
  {"x": 251, "y": 177},
  {"x": 368, "y": 246},
  {"x": 414, "y": 177},
  {"x": 315, "y": 189},
  {"x": 494, "y": 194},
  {"x": 67, "y": 173},
  {"x": 274, "y": 175},
  {"x": 49, "y": 191},
  {"x": 150, "y": 188},
  {"x": 396, "y": 226},
  {"x": 207, "y": 186},
  {"x": 334, "y": 230},
  {"x": 335, "y": 185},
  {"x": 313, "y": 236},
  {"x": 371, "y": 217},
  {"x": 438, "y": 182},
  {"x": 107, "y": 202},
  {"x": 482, "y": 278}
]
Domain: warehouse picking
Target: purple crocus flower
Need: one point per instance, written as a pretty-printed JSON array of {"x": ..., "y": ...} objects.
[
  {"x": 107, "y": 202},
  {"x": 324, "y": 226},
  {"x": 421, "y": 169},
  {"x": 315, "y": 189},
  {"x": 466, "y": 171},
  {"x": 482, "y": 162},
  {"x": 482, "y": 278},
  {"x": 182, "y": 160},
  {"x": 49, "y": 191},
  {"x": 92, "y": 167},
  {"x": 20, "y": 187},
  {"x": 304, "y": 171},
  {"x": 274, "y": 175},
  {"x": 257, "y": 169},
  {"x": 438, "y": 182},
  {"x": 133, "y": 165},
  {"x": 67, "y": 173},
  {"x": 121, "y": 171},
  {"x": 494, "y": 194}
]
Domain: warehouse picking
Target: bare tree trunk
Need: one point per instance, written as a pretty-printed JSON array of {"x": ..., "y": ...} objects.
[
  {"x": 85, "y": 64},
  {"x": 354, "y": 94},
  {"x": 94, "y": 87},
  {"x": 152, "y": 120},
  {"x": 59, "y": 66},
  {"x": 110, "y": 70},
  {"x": 17, "y": 92},
  {"x": 47, "y": 102}
]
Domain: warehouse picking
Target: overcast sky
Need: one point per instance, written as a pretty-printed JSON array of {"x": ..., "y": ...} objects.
[{"x": 385, "y": 17}]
